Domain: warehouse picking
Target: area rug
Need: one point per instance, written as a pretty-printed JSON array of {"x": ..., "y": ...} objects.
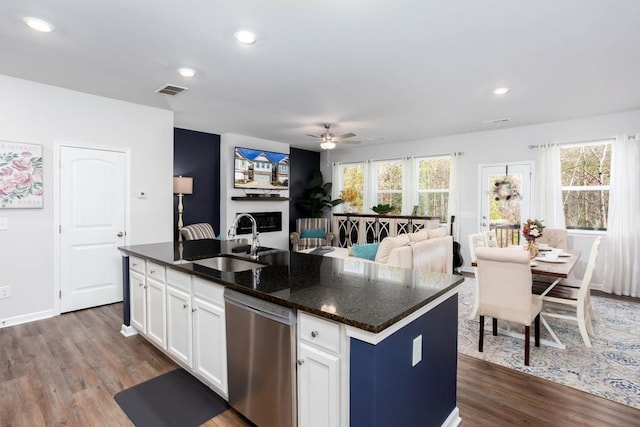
[
  {"x": 172, "y": 399},
  {"x": 610, "y": 369}
]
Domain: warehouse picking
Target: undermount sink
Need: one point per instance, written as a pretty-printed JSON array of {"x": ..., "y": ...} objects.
[{"x": 227, "y": 263}]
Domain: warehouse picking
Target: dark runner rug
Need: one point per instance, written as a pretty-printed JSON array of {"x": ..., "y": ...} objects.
[{"x": 172, "y": 399}]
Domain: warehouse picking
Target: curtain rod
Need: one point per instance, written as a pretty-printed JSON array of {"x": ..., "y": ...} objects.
[{"x": 583, "y": 142}]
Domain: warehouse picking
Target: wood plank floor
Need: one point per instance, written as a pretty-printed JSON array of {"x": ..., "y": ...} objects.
[{"x": 65, "y": 370}]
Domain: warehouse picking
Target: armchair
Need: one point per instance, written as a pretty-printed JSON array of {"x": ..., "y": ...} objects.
[{"x": 311, "y": 233}]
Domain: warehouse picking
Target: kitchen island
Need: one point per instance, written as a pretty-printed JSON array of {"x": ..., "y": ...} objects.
[{"x": 393, "y": 359}]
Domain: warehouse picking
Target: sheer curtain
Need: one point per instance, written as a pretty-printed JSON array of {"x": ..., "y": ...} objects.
[
  {"x": 622, "y": 268},
  {"x": 547, "y": 199},
  {"x": 454, "y": 193}
]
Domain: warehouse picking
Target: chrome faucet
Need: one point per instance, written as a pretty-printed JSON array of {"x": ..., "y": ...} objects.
[{"x": 255, "y": 240}]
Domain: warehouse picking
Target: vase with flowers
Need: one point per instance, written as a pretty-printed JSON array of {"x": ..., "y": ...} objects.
[
  {"x": 532, "y": 229},
  {"x": 351, "y": 198}
]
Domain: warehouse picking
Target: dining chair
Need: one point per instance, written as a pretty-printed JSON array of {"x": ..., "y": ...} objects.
[
  {"x": 202, "y": 230},
  {"x": 554, "y": 237},
  {"x": 475, "y": 240},
  {"x": 490, "y": 239},
  {"x": 504, "y": 291},
  {"x": 571, "y": 299}
]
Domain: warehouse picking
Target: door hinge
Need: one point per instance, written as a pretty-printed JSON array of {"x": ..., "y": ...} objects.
[
  {"x": 59, "y": 229},
  {"x": 60, "y": 294}
]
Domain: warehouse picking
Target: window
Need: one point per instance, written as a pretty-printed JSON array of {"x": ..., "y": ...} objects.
[
  {"x": 353, "y": 177},
  {"x": 389, "y": 183},
  {"x": 586, "y": 170},
  {"x": 433, "y": 186}
]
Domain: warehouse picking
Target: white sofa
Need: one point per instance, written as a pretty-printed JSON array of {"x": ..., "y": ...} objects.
[{"x": 430, "y": 250}]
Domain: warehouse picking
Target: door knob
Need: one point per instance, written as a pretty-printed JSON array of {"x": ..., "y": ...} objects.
[
  {"x": 120, "y": 234},
  {"x": 300, "y": 362}
]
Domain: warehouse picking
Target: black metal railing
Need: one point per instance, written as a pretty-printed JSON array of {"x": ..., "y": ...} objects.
[{"x": 506, "y": 234}]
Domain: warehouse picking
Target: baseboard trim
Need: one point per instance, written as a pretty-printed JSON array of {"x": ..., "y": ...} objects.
[
  {"x": 453, "y": 420},
  {"x": 128, "y": 331},
  {"x": 26, "y": 318}
]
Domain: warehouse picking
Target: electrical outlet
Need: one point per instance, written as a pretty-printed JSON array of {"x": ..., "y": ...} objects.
[
  {"x": 417, "y": 350},
  {"x": 4, "y": 292}
]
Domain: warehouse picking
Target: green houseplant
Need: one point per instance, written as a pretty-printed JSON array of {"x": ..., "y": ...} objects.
[{"x": 317, "y": 196}]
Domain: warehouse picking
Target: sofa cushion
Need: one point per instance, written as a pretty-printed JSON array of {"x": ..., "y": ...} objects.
[
  {"x": 312, "y": 233},
  {"x": 434, "y": 255},
  {"x": 436, "y": 232},
  {"x": 389, "y": 243},
  {"x": 366, "y": 251},
  {"x": 418, "y": 236}
]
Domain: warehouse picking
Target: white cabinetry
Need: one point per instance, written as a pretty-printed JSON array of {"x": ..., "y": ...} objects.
[
  {"x": 179, "y": 317},
  {"x": 148, "y": 300},
  {"x": 138, "y": 301},
  {"x": 209, "y": 332},
  {"x": 320, "y": 372}
]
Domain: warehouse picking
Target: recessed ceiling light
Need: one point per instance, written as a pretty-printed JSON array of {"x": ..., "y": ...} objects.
[
  {"x": 38, "y": 24},
  {"x": 245, "y": 37},
  {"x": 187, "y": 72},
  {"x": 501, "y": 90}
]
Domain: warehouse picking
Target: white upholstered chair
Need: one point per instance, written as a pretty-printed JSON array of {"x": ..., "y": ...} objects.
[
  {"x": 476, "y": 240},
  {"x": 554, "y": 237},
  {"x": 202, "y": 230},
  {"x": 490, "y": 239},
  {"x": 571, "y": 298},
  {"x": 504, "y": 291}
]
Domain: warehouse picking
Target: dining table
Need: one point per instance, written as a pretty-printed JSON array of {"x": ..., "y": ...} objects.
[{"x": 551, "y": 272}]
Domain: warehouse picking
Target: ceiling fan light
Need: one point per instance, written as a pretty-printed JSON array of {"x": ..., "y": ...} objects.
[{"x": 328, "y": 145}]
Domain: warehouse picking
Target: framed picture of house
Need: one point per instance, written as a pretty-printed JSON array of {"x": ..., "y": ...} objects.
[
  {"x": 20, "y": 175},
  {"x": 415, "y": 211}
]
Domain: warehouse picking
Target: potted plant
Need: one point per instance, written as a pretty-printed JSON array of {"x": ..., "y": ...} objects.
[{"x": 317, "y": 196}]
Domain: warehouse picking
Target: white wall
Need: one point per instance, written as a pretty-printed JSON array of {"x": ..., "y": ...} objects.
[
  {"x": 229, "y": 208},
  {"x": 41, "y": 114},
  {"x": 504, "y": 145}
]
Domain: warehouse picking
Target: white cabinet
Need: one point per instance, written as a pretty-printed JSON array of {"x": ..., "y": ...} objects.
[
  {"x": 138, "y": 301},
  {"x": 318, "y": 385},
  {"x": 209, "y": 334},
  {"x": 147, "y": 295},
  {"x": 179, "y": 325},
  {"x": 320, "y": 367}
]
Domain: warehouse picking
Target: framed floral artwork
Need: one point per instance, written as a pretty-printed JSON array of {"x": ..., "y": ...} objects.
[{"x": 20, "y": 175}]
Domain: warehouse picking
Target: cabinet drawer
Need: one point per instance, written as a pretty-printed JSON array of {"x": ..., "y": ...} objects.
[
  {"x": 156, "y": 271},
  {"x": 319, "y": 332},
  {"x": 208, "y": 290},
  {"x": 137, "y": 264},
  {"x": 179, "y": 279}
]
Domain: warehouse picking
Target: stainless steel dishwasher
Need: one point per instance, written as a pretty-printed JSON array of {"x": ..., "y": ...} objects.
[{"x": 261, "y": 354}]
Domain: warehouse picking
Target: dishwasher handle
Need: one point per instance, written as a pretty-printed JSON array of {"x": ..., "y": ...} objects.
[{"x": 261, "y": 307}]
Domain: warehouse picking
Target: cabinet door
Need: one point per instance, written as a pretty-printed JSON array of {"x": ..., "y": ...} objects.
[
  {"x": 138, "y": 304},
  {"x": 318, "y": 387},
  {"x": 156, "y": 312},
  {"x": 179, "y": 329},
  {"x": 210, "y": 348}
]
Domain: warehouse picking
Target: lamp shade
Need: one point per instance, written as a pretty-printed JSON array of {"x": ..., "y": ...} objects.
[{"x": 182, "y": 185}]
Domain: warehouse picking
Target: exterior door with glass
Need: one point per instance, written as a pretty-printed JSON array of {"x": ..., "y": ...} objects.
[{"x": 506, "y": 199}]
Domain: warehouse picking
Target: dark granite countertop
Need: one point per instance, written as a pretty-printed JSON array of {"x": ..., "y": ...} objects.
[{"x": 368, "y": 296}]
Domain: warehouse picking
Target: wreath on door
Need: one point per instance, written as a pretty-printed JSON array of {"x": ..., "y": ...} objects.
[{"x": 506, "y": 189}]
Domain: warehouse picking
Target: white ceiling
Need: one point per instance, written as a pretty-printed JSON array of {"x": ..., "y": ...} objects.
[{"x": 387, "y": 70}]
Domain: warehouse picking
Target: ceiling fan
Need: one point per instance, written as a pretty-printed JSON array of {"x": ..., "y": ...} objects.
[{"x": 329, "y": 140}]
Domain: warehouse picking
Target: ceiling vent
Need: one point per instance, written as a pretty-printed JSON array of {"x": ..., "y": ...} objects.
[
  {"x": 172, "y": 90},
  {"x": 496, "y": 121}
]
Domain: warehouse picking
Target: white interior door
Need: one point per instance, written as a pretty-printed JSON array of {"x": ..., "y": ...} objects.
[
  {"x": 504, "y": 212},
  {"x": 92, "y": 226}
]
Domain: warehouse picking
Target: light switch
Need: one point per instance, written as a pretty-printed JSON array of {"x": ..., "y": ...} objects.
[
  {"x": 417, "y": 350},
  {"x": 4, "y": 223}
]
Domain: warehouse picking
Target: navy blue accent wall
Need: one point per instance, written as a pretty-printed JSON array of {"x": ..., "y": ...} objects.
[
  {"x": 197, "y": 154},
  {"x": 302, "y": 164},
  {"x": 386, "y": 390},
  {"x": 126, "y": 296}
]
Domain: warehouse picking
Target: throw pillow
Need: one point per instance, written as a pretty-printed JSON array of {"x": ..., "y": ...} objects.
[
  {"x": 366, "y": 251},
  {"x": 388, "y": 244},
  {"x": 312, "y": 233},
  {"x": 418, "y": 236}
]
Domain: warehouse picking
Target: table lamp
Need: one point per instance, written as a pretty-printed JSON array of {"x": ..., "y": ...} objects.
[{"x": 181, "y": 185}]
